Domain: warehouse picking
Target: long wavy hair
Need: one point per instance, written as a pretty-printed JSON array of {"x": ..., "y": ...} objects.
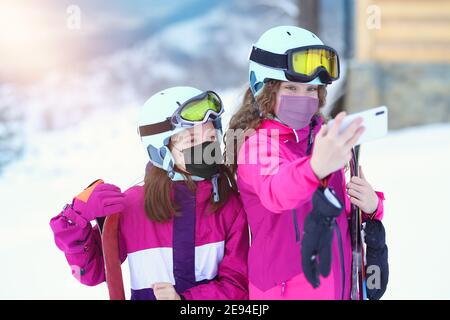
[{"x": 250, "y": 115}]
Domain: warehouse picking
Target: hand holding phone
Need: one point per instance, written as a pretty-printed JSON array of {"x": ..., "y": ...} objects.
[
  {"x": 334, "y": 141},
  {"x": 375, "y": 122},
  {"x": 332, "y": 150}
]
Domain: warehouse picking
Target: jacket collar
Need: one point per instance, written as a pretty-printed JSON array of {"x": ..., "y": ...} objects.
[{"x": 288, "y": 134}]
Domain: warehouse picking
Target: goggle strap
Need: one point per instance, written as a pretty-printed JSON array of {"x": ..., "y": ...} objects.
[
  {"x": 155, "y": 128},
  {"x": 269, "y": 59}
]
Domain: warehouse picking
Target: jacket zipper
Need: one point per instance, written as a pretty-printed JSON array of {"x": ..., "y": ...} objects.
[{"x": 312, "y": 124}]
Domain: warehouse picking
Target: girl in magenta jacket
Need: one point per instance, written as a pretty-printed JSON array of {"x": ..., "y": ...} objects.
[
  {"x": 286, "y": 155},
  {"x": 184, "y": 232}
]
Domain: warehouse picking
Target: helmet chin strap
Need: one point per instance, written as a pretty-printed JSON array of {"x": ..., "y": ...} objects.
[
  {"x": 215, "y": 177},
  {"x": 215, "y": 187},
  {"x": 255, "y": 105}
]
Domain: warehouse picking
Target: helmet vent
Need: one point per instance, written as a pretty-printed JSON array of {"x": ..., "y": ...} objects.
[
  {"x": 288, "y": 33},
  {"x": 178, "y": 103}
]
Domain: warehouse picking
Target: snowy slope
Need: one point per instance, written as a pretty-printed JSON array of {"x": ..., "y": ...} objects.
[{"x": 409, "y": 166}]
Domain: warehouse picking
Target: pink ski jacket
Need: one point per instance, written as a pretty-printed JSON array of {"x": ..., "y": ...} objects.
[
  {"x": 203, "y": 254},
  {"x": 276, "y": 185}
]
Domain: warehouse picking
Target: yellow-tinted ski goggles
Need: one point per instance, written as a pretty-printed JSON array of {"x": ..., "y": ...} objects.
[
  {"x": 205, "y": 107},
  {"x": 197, "y": 110},
  {"x": 302, "y": 64}
]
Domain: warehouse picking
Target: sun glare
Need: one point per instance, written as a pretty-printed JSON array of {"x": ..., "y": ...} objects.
[{"x": 27, "y": 38}]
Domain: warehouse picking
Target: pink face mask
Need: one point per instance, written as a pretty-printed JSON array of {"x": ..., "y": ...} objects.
[{"x": 297, "y": 111}]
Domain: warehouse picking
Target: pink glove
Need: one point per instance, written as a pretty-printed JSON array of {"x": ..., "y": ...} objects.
[{"x": 99, "y": 200}]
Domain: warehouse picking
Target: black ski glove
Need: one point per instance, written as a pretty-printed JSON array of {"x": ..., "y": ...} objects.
[
  {"x": 318, "y": 235},
  {"x": 376, "y": 255}
]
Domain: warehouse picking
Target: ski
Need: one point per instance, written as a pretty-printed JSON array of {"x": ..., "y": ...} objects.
[
  {"x": 358, "y": 280},
  {"x": 109, "y": 229}
]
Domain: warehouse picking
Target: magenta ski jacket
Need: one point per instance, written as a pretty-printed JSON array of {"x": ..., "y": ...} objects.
[
  {"x": 203, "y": 254},
  {"x": 276, "y": 185}
]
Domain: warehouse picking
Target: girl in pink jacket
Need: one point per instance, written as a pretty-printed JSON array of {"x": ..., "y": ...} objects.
[
  {"x": 184, "y": 232},
  {"x": 285, "y": 159}
]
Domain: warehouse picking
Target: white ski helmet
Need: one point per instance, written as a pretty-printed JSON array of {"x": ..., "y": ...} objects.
[
  {"x": 279, "y": 41},
  {"x": 157, "y": 110}
]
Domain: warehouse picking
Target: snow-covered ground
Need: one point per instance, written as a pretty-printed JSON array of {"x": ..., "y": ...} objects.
[{"x": 410, "y": 166}]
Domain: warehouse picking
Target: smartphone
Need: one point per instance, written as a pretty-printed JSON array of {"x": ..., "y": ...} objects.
[{"x": 375, "y": 122}]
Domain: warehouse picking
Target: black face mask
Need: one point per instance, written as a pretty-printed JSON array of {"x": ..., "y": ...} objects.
[{"x": 201, "y": 160}]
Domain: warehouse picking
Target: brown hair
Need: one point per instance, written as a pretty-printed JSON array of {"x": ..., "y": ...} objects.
[
  {"x": 158, "y": 200},
  {"x": 250, "y": 114}
]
